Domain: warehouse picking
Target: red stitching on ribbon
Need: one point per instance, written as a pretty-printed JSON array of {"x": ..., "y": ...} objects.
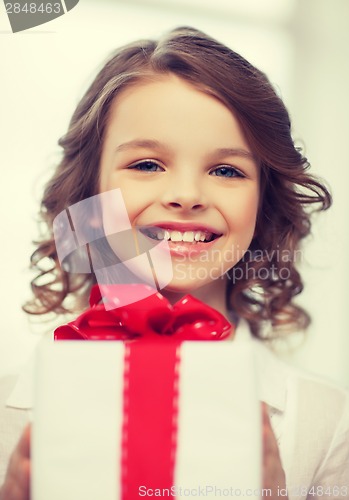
[{"x": 125, "y": 417}]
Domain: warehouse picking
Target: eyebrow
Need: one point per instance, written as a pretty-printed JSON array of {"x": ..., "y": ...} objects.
[
  {"x": 153, "y": 144},
  {"x": 234, "y": 152},
  {"x": 140, "y": 143}
]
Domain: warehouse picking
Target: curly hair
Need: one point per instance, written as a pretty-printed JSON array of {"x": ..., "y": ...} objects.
[{"x": 288, "y": 193}]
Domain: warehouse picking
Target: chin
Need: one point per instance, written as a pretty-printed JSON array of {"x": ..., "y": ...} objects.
[{"x": 182, "y": 287}]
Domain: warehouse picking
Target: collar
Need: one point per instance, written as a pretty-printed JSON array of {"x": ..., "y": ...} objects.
[
  {"x": 272, "y": 374},
  {"x": 22, "y": 395}
]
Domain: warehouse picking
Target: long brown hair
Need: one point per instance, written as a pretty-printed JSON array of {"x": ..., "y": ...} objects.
[{"x": 288, "y": 193}]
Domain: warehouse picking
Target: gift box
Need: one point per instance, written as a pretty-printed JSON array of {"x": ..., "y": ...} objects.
[
  {"x": 206, "y": 420},
  {"x": 152, "y": 416}
]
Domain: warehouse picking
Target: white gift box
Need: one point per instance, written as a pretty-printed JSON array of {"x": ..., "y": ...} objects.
[{"x": 78, "y": 448}]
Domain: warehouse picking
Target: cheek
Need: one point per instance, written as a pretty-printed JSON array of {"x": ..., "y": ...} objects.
[
  {"x": 131, "y": 193},
  {"x": 115, "y": 214},
  {"x": 139, "y": 195},
  {"x": 135, "y": 199},
  {"x": 243, "y": 211}
]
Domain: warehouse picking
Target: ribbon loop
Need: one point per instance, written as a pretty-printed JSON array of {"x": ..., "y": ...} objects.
[{"x": 150, "y": 318}]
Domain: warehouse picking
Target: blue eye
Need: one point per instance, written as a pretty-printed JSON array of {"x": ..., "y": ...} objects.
[
  {"x": 226, "y": 171},
  {"x": 146, "y": 166}
]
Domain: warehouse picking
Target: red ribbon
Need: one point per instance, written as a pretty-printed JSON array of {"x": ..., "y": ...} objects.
[
  {"x": 150, "y": 318},
  {"x": 151, "y": 373}
]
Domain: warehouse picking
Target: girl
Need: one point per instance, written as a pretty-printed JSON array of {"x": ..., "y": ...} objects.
[{"x": 199, "y": 144}]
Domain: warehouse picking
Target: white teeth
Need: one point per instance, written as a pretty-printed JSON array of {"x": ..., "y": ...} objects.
[
  {"x": 188, "y": 236},
  {"x": 176, "y": 236}
]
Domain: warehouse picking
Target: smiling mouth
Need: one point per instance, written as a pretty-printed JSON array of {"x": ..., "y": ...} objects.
[{"x": 194, "y": 237}]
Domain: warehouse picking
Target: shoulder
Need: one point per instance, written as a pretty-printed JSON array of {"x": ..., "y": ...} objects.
[
  {"x": 309, "y": 392},
  {"x": 319, "y": 410},
  {"x": 310, "y": 417},
  {"x": 317, "y": 419},
  {"x": 306, "y": 398},
  {"x": 317, "y": 393}
]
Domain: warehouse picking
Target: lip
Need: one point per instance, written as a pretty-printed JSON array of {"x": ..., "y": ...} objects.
[
  {"x": 183, "y": 249},
  {"x": 184, "y": 226}
]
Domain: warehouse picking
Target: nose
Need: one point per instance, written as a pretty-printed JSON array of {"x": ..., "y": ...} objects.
[{"x": 184, "y": 193}]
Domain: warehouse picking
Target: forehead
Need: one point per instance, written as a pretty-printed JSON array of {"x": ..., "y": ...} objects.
[
  {"x": 167, "y": 105},
  {"x": 158, "y": 91}
]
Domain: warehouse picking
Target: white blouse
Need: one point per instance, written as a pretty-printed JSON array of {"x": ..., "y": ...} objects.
[{"x": 310, "y": 419}]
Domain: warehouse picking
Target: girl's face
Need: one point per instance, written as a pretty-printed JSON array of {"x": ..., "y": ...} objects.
[{"x": 186, "y": 174}]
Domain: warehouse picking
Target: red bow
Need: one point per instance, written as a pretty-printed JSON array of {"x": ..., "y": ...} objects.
[{"x": 152, "y": 317}]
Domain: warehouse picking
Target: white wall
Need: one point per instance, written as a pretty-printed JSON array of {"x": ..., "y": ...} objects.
[
  {"x": 45, "y": 70},
  {"x": 320, "y": 108}
]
